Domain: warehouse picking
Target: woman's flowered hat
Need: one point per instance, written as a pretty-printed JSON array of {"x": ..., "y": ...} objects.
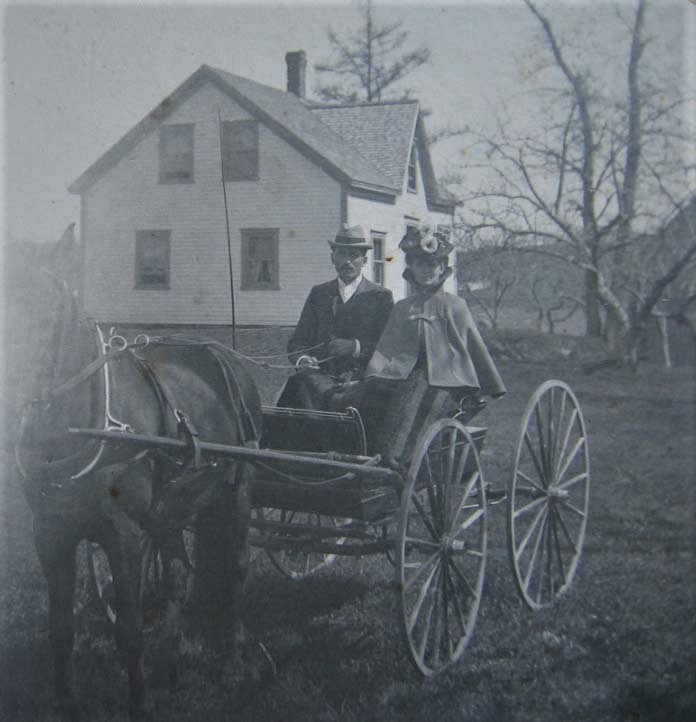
[{"x": 424, "y": 240}]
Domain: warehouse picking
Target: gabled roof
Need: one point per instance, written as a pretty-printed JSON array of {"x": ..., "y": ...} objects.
[
  {"x": 363, "y": 145},
  {"x": 382, "y": 131}
]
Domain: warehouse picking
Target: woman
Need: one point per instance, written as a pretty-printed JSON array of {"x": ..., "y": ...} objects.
[{"x": 430, "y": 357}]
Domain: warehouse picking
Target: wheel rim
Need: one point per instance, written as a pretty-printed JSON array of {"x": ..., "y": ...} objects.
[
  {"x": 442, "y": 546},
  {"x": 548, "y": 495},
  {"x": 298, "y": 563}
]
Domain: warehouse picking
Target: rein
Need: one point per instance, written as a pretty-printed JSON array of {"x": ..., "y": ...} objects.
[{"x": 86, "y": 372}]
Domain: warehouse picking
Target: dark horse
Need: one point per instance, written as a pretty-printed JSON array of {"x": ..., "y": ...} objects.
[{"x": 129, "y": 500}]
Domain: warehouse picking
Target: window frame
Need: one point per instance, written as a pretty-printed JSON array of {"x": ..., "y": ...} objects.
[
  {"x": 412, "y": 170},
  {"x": 162, "y": 235},
  {"x": 247, "y": 236},
  {"x": 189, "y": 130},
  {"x": 379, "y": 240},
  {"x": 231, "y": 173}
]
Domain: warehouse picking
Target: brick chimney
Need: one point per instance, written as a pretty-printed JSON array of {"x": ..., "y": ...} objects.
[{"x": 296, "y": 61}]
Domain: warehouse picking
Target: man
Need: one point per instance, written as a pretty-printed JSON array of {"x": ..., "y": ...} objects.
[{"x": 339, "y": 327}]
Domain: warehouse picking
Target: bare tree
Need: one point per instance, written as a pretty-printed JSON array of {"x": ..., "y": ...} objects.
[
  {"x": 369, "y": 61},
  {"x": 584, "y": 187}
]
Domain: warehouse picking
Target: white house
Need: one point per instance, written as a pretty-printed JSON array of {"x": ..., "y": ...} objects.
[{"x": 153, "y": 222}]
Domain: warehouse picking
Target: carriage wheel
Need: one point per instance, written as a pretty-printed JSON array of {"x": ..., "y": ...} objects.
[
  {"x": 154, "y": 598},
  {"x": 441, "y": 546},
  {"x": 548, "y": 495},
  {"x": 298, "y": 563}
]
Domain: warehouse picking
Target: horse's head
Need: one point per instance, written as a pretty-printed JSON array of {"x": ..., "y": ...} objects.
[{"x": 48, "y": 342}]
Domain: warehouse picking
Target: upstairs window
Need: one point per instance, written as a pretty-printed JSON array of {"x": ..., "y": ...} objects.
[
  {"x": 378, "y": 257},
  {"x": 240, "y": 150},
  {"x": 152, "y": 254},
  {"x": 176, "y": 154},
  {"x": 412, "y": 166},
  {"x": 260, "y": 259}
]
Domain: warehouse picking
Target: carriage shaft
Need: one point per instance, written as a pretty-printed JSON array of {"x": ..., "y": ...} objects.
[{"x": 246, "y": 453}]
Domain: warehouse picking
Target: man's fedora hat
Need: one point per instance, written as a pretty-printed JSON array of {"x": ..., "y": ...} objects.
[{"x": 353, "y": 237}]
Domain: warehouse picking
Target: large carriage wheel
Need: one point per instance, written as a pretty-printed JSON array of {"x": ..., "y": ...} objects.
[
  {"x": 300, "y": 563},
  {"x": 441, "y": 546},
  {"x": 548, "y": 495}
]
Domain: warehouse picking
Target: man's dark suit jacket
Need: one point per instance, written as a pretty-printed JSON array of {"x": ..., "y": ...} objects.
[{"x": 325, "y": 317}]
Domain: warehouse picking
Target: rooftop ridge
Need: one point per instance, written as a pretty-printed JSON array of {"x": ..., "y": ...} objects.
[{"x": 359, "y": 104}]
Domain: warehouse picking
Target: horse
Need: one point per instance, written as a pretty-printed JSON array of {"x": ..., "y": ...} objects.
[{"x": 132, "y": 501}]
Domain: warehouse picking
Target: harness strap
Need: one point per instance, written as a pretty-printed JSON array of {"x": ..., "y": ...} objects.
[
  {"x": 84, "y": 374},
  {"x": 243, "y": 415},
  {"x": 164, "y": 396}
]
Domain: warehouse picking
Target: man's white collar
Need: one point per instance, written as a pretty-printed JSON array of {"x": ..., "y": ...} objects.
[{"x": 348, "y": 289}]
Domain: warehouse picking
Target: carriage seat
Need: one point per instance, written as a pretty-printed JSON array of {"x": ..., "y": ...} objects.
[
  {"x": 395, "y": 414},
  {"x": 292, "y": 429}
]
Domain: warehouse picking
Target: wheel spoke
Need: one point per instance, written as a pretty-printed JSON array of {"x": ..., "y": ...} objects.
[
  {"x": 531, "y": 505},
  {"x": 535, "y": 551},
  {"x": 469, "y": 521},
  {"x": 462, "y": 578},
  {"x": 459, "y": 472},
  {"x": 439, "y": 621},
  {"x": 567, "y": 505},
  {"x": 549, "y": 556},
  {"x": 570, "y": 539},
  {"x": 543, "y": 447},
  {"x": 559, "y": 426},
  {"x": 455, "y": 599},
  {"x": 422, "y": 543},
  {"x": 463, "y": 507},
  {"x": 559, "y": 555},
  {"x": 573, "y": 480},
  {"x": 425, "y": 632},
  {"x": 445, "y": 609},
  {"x": 540, "y": 470},
  {"x": 432, "y": 497},
  {"x": 550, "y": 430},
  {"x": 578, "y": 445},
  {"x": 530, "y": 531},
  {"x": 413, "y": 617},
  {"x": 424, "y": 516},
  {"x": 531, "y": 481},
  {"x": 566, "y": 437},
  {"x": 421, "y": 569},
  {"x": 542, "y": 568}
]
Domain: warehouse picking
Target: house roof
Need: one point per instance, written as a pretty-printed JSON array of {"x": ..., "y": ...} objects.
[
  {"x": 363, "y": 145},
  {"x": 382, "y": 131}
]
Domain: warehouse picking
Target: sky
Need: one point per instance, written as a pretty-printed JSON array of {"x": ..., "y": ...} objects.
[{"x": 75, "y": 78}]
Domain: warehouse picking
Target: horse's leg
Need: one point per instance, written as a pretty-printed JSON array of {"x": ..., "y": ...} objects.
[
  {"x": 238, "y": 566},
  {"x": 56, "y": 546},
  {"x": 124, "y": 543},
  {"x": 221, "y": 554},
  {"x": 175, "y": 570}
]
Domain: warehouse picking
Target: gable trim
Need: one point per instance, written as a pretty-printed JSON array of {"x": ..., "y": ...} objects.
[{"x": 155, "y": 117}]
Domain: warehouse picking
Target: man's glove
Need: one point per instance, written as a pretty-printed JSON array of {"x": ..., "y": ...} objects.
[
  {"x": 343, "y": 347},
  {"x": 306, "y": 362}
]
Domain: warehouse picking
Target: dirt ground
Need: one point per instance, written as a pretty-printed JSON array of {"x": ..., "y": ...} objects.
[{"x": 620, "y": 646}]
